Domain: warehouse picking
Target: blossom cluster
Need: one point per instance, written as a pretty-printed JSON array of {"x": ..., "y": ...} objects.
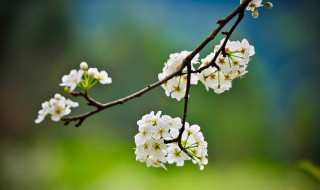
[
  {"x": 254, "y": 4},
  {"x": 56, "y": 108},
  {"x": 176, "y": 86},
  {"x": 85, "y": 78},
  {"x": 231, "y": 65},
  {"x": 155, "y": 130}
]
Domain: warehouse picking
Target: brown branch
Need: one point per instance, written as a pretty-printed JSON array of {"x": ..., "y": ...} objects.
[
  {"x": 189, "y": 71},
  {"x": 101, "y": 107},
  {"x": 221, "y": 23},
  {"x": 223, "y": 46},
  {"x": 79, "y": 118},
  {"x": 185, "y": 109},
  {"x": 90, "y": 101}
]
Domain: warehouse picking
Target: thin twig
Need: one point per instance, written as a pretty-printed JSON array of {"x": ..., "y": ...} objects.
[
  {"x": 223, "y": 46},
  {"x": 185, "y": 108},
  {"x": 90, "y": 101}
]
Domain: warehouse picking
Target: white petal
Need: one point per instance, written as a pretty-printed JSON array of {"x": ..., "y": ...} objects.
[
  {"x": 39, "y": 119},
  {"x": 55, "y": 118}
]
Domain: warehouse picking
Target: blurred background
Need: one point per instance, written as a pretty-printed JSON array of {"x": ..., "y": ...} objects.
[{"x": 262, "y": 134}]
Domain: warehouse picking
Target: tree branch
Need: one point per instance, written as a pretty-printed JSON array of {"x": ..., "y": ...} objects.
[
  {"x": 185, "y": 108},
  {"x": 223, "y": 46},
  {"x": 90, "y": 101},
  {"x": 187, "y": 61}
]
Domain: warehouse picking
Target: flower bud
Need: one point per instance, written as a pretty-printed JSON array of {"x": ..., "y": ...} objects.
[
  {"x": 67, "y": 89},
  {"x": 269, "y": 5},
  {"x": 255, "y": 13},
  {"x": 84, "y": 66},
  {"x": 57, "y": 96}
]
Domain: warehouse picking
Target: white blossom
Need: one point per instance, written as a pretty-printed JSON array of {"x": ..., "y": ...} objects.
[
  {"x": 43, "y": 112},
  {"x": 190, "y": 130},
  {"x": 176, "y": 86},
  {"x": 149, "y": 119},
  {"x": 176, "y": 155},
  {"x": 143, "y": 150},
  {"x": 229, "y": 66},
  {"x": 161, "y": 130},
  {"x": 71, "y": 103},
  {"x": 103, "y": 77},
  {"x": 215, "y": 79},
  {"x": 151, "y": 148},
  {"x": 92, "y": 72},
  {"x": 194, "y": 142},
  {"x": 85, "y": 78},
  {"x": 56, "y": 107},
  {"x": 174, "y": 133},
  {"x": 154, "y": 162},
  {"x": 208, "y": 77},
  {"x": 254, "y": 4},
  {"x": 247, "y": 50},
  {"x": 72, "y": 80},
  {"x": 171, "y": 122},
  {"x": 146, "y": 132}
]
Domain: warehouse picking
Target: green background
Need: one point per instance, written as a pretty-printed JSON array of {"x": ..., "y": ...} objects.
[{"x": 262, "y": 134}]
